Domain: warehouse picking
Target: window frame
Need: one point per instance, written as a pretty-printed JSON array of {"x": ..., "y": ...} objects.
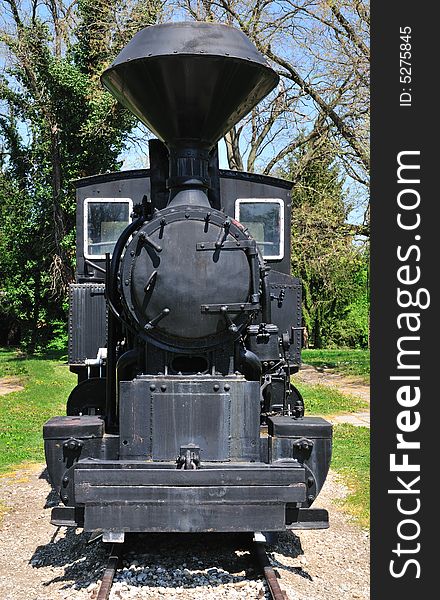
[
  {"x": 88, "y": 201},
  {"x": 280, "y": 203}
]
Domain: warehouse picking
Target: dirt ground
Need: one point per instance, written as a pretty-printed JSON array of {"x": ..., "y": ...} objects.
[
  {"x": 352, "y": 386},
  {"x": 40, "y": 562},
  {"x": 9, "y": 384}
]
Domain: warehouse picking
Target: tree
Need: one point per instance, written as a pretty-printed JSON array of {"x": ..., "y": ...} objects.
[
  {"x": 324, "y": 254},
  {"x": 320, "y": 48},
  {"x": 56, "y": 124}
]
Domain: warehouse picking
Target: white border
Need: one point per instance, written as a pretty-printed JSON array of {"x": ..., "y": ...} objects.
[
  {"x": 265, "y": 201},
  {"x": 88, "y": 201}
]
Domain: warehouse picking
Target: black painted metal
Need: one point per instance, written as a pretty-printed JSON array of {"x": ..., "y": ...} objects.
[
  {"x": 87, "y": 322},
  {"x": 187, "y": 278},
  {"x": 314, "y": 427},
  {"x": 202, "y": 332},
  {"x": 306, "y": 518},
  {"x": 136, "y": 183},
  {"x": 309, "y": 441},
  {"x": 211, "y": 498},
  {"x": 190, "y": 81},
  {"x": 179, "y": 518},
  {"x": 220, "y": 416},
  {"x": 88, "y": 397}
]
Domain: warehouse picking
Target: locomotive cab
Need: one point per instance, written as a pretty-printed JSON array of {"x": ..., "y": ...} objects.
[{"x": 184, "y": 321}]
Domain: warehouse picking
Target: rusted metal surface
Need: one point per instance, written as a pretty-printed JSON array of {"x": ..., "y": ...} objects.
[
  {"x": 109, "y": 573},
  {"x": 269, "y": 574}
]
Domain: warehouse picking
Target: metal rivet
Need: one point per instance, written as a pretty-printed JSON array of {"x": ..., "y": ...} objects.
[
  {"x": 126, "y": 282},
  {"x": 163, "y": 388},
  {"x": 132, "y": 253},
  {"x": 310, "y": 481},
  {"x": 227, "y": 387},
  {"x": 152, "y": 387},
  {"x": 216, "y": 387}
]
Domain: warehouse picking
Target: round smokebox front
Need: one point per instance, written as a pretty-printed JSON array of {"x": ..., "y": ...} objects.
[{"x": 180, "y": 271}]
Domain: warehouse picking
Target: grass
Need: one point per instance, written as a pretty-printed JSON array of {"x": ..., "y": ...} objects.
[
  {"x": 351, "y": 446},
  {"x": 351, "y": 459},
  {"x": 323, "y": 400},
  {"x": 47, "y": 383},
  {"x": 347, "y": 361}
]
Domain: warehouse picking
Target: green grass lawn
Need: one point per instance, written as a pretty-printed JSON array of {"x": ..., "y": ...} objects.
[
  {"x": 347, "y": 361},
  {"x": 351, "y": 445},
  {"x": 351, "y": 459},
  {"x": 47, "y": 383},
  {"x": 324, "y": 400}
]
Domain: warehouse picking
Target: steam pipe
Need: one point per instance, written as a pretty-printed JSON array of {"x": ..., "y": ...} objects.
[
  {"x": 113, "y": 316},
  {"x": 250, "y": 364},
  {"x": 266, "y": 308}
]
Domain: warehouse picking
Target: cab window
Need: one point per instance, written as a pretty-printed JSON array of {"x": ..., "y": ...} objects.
[
  {"x": 264, "y": 217},
  {"x": 104, "y": 221}
]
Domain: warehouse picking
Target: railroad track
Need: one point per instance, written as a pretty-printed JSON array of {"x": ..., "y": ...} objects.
[
  {"x": 268, "y": 572},
  {"x": 257, "y": 551},
  {"x": 113, "y": 563}
]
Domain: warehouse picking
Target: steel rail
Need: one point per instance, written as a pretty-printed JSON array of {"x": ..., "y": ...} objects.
[
  {"x": 270, "y": 576},
  {"x": 109, "y": 573},
  {"x": 257, "y": 549}
]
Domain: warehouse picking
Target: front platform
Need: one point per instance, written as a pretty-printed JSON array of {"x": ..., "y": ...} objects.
[{"x": 135, "y": 496}]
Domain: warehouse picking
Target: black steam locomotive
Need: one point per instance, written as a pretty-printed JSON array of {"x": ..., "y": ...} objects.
[{"x": 185, "y": 323}]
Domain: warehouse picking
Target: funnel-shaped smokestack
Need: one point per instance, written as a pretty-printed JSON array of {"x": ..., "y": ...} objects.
[{"x": 190, "y": 81}]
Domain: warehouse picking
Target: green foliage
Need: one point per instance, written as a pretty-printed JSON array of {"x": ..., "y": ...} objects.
[
  {"x": 345, "y": 361},
  {"x": 59, "y": 338},
  {"x": 332, "y": 267},
  {"x": 47, "y": 382},
  {"x": 57, "y": 124}
]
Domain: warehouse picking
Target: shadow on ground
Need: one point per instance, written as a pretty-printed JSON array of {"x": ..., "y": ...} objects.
[{"x": 162, "y": 560}]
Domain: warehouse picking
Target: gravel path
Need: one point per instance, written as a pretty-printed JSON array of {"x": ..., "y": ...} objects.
[{"x": 40, "y": 562}]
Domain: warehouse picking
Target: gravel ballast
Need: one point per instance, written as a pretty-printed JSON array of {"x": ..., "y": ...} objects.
[{"x": 41, "y": 562}]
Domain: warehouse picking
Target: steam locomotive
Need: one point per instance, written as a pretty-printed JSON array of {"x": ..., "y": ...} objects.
[{"x": 184, "y": 321}]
